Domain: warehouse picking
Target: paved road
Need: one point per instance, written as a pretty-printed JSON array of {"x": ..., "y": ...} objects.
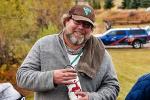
[{"x": 147, "y": 45}]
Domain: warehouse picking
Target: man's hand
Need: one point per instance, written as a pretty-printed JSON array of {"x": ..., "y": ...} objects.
[
  {"x": 63, "y": 76},
  {"x": 83, "y": 95}
]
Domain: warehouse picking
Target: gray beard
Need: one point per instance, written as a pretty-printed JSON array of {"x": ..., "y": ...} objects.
[{"x": 76, "y": 41}]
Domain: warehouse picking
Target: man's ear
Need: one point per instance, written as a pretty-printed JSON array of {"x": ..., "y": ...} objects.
[
  {"x": 92, "y": 29},
  {"x": 65, "y": 18},
  {"x": 65, "y": 21}
]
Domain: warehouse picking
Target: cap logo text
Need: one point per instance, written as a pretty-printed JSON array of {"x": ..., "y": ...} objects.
[{"x": 87, "y": 11}]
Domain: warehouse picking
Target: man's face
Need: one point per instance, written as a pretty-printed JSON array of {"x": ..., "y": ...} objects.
[{"x": 77, "y": 31}]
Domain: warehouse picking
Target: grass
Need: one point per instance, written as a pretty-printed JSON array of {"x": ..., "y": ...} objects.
[{"x": 130, "y": 64}]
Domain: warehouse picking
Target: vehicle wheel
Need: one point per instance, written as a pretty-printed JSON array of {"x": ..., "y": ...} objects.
[{"x": 137, "y": 44}]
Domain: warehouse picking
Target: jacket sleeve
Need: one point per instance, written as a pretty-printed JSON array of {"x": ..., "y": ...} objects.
[
  {"x": 141, "y": 89},
  {"x": 109, "y": 87},
  {"x": 30, "y": 76}
]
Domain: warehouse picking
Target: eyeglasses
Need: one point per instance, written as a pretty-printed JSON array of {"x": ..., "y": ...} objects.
[{"x": 83, "y": 23}]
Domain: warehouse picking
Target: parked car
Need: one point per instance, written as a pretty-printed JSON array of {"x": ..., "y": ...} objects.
[{"x": 126, "y": 36}]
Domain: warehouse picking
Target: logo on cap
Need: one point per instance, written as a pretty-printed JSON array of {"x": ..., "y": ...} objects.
[{"x": 87, "y": 10}]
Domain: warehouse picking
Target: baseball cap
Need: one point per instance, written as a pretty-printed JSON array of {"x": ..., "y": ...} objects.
[{"x": 83, "y": 12}]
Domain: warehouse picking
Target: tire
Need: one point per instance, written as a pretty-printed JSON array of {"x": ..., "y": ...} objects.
[{"x": 137, "y": 44}]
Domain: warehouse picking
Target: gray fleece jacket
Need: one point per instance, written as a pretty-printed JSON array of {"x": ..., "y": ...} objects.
[{"x": 47, "y": 55}]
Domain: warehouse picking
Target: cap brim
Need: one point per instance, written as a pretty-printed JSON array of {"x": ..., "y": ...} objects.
[{"x": 76, "y": 17}]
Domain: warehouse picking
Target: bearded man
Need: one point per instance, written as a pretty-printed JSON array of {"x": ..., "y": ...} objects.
[{"x": 55, "y": 60}]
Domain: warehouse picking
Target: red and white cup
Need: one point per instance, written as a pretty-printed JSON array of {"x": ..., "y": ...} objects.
[{"x": 74, "y": 87}]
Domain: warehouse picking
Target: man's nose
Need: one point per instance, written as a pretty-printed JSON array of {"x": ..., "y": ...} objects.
[{"x": 81, "y": 26}]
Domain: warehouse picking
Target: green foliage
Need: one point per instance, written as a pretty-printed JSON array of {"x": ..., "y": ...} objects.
[
  {"x": 94, "y": 3},
  {"x": 14, "y": 17},
  {"x": 50, "y": 11},
  {"x": 3, "y": 68},
  {"x": 132, "y": 4},
  {"x": 108, "y": 4},
  {"x": 145, "y": 3},
  {"x": 125, "y": 4},
  {"x": 52, "y": 29},
  {"x": 23, "y": 22}
]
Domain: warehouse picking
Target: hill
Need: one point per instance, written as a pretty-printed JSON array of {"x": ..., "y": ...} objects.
[{"x": 121, "y": 18}]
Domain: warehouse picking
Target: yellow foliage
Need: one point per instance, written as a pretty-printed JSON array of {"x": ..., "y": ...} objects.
[{"x": 51, "y": 10}]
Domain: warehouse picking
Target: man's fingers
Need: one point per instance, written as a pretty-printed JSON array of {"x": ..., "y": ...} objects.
[
  {"x": 63, "y": 76},
  {"x": 69, "y": 74},
  {"x": 67, "y": 82},
  {"x": 82, "y": 94},
  {"x": 69, "y": 70},
  {"x": 69, "y": 78}
]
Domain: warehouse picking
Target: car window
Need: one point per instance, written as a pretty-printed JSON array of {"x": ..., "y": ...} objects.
[
  {"x": 120, "y": 33},
  {"x": 137, "y": 32},
  {"x": 112, "y": 33}
]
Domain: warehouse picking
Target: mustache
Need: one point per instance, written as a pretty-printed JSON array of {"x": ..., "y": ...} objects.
[{"x": 80, "y": 32}]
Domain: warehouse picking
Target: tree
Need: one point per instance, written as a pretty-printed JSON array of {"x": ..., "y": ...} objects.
[
  {"x": 50, "y": 11},
  {"x": 134, "y": 4},
  {"x": 94, "y": 3},
  {"x": 145, "y": 3},
  {"x": 15, "y": 21},
  {"x": 21, "y": 22},
  {"x": 108, "y": 4},
  {"x": 131, "y": 4},
  {"x": 125, "y": 4}
]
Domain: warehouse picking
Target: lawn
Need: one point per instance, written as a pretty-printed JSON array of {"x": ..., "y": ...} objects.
[{"x": 130, "y": 64}]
